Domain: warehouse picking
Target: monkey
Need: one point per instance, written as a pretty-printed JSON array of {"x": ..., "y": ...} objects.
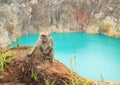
[{"x": 45, "y": 46}]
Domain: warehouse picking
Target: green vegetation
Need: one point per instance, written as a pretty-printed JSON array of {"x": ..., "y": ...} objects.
[
  {"x": 34, "y": 76},
  {"x": 48, "y": 82},
  {"x": 4, "y": 58},
  {"x": 30, "y": 48},
  {"x": 77, "y": 81},
  {"x": 102, "y": 78},
  {"x": 17, "y": 43},
  {"x": 74, "y": 79}
]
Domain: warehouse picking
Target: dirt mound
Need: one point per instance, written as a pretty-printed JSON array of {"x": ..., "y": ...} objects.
[{"x": 24, "y": 70}]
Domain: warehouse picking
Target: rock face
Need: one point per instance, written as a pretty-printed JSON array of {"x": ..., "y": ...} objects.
[
  {"x": 21, "y": 17},
  {"x": 107, "y": 27}
]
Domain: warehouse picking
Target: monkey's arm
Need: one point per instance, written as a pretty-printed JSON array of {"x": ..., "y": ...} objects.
[
  {"x": 36, "y": 46},
  {"x": 51, "y": 40},
  {"x": 50, "y": 47},
  {"x": 48, "y": 51},
  {"x": 33, "y": 50}
]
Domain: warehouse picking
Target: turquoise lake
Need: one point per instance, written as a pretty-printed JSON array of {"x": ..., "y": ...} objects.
[{"x": 96, "y": 55}]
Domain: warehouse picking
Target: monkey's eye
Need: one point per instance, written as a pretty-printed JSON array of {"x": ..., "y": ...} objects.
[{"x": 43, "y": 35}]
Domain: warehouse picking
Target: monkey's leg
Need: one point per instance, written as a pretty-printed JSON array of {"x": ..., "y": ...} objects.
[
  {"x": 43, "y": 57},
  {"x": 50, "y": 58}
]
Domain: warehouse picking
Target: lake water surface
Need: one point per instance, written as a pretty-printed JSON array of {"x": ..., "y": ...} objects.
[{"x": 96, "y": 55}]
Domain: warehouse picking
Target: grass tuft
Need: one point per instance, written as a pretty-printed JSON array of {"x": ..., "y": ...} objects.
[
  {"x": 48, "y": 82},
  {"x": 34, "y": 76},
  {"x": 4, "y": 58}
]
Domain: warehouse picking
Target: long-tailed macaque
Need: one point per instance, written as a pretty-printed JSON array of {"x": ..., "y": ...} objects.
[{"x": 45, "y": 46}]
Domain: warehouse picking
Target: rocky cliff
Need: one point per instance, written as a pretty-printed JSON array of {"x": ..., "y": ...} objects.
[{"x": 21, "y": 17}]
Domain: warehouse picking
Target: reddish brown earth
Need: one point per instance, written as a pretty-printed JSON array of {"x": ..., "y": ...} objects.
[{"x": 19, "y": 70}]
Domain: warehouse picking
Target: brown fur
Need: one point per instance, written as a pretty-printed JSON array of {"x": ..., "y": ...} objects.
[{"x": 44, "y": 50}]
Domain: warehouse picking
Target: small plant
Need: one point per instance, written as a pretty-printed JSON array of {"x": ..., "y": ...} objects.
[
  {"x": 30, "y": 48},
  {"x": 102, "y": 78},
  {"x": 34, "y": 76},
  {"x": 74, "y": 79},
  {"x": 86, "y": 82},
  {"x": 4, "y": 58},
  {"x": 47, "y": 82},
  {"x": 17, "y": 43},
  {"x": 74, "y": 63}
]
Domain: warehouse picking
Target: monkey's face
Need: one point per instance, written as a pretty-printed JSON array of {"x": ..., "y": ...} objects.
[{"x": 44, "y": 38}]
